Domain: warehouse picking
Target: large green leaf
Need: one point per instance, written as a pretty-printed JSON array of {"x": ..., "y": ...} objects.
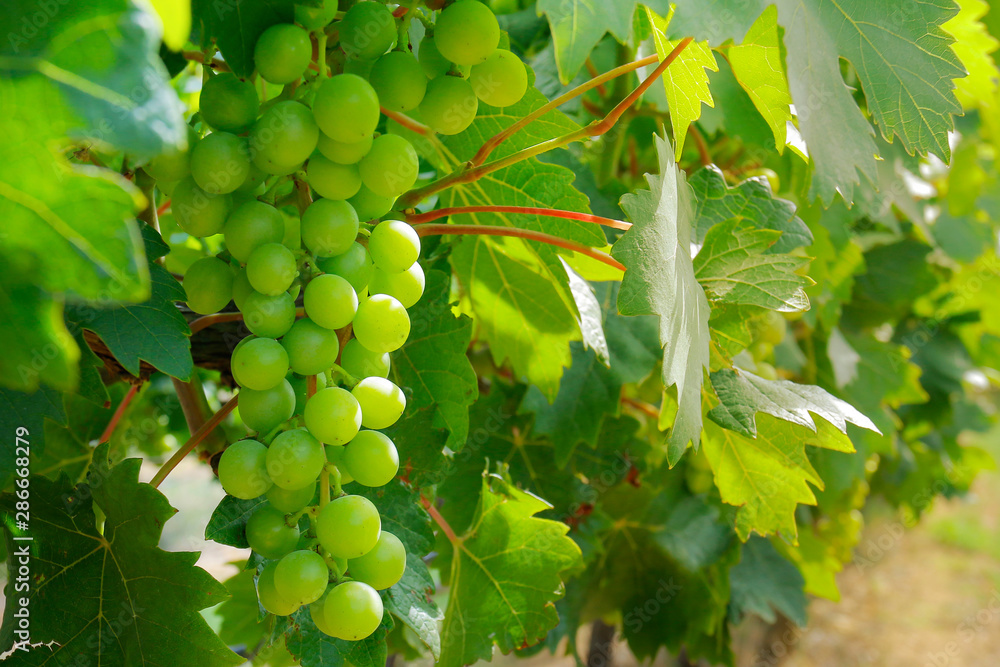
[
  {"x": 29, "y": 411},
  {"x": 133, "y": 604},
  {"x": 659, "y": 280},
  {"x": 764, "y": 582}
]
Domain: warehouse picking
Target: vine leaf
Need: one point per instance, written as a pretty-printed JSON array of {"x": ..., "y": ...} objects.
[
  {"x": 660, "y": 280},
  {"x": 30, "y": 411},
  {"x": 733, "y": 266},
  {"x": 503, "y": 591},
  {"x": 313, "y": 648},
  {"x": 973, "y": 45},
  {"x": 764, "y": 582},
  {"x": 133, "y": 603},
  {"x": 229, "y": 521}
]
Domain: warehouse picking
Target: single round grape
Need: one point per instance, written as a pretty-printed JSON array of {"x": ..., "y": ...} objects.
[
  {"x": 406, "y": 287},
  {"x": 316, "y": 612},
  {"x": 291, "y": 500},
  {"x": 371, "y": 458},
  {"x": 269, "y": 534},
  {"x": 228, "y": 103},
  {"x": 353, "y": 611},
  {"x": 333, "y": 415},
  {"x": 260, "y": 364},
  {"x": 431, "y": 60},
  {"x": 501, "y": 80},
  {"x": 381, "y": 324},
  {"x": 220, "y": 162},
  {"x": 197, "y": 212},
  {"x": 329, "y": 227},
  {"x": 332, "y": 180},
  {"x": 311, "y": 348},
  {"x": 391, "y": 166},
  {"x": 450, "y": 104},
  {"x": 383, "y": 566},
  {"x": 467, "y": 32},
  {"x": 302, "y": 576},
  {"x": 367, "y": 30},
  {"x": 269, "y": 316},
  {"x": 330, "y": 301},
  {"x": 394, "y": 246},
  {"x": 241, "y": 288},
  {"x": 208, "y": 284},
  {"x": 271, "y": 269},
  {"x": 355, "y": 266},
  {"x": 369, "y": 205},
  {"x": 295, "y": 459},
  {"x": 346, "y": 107},
  {"x": 343, "y": 153},
  {"x": 262, "y": 411},
  {"x": 399, "y": 81},
  {"x": 335, "y": 455},
  {"x": 382, "y": 402},
  {"x": 349, "y": 526},
  {"x": 361, "y": 362},
  {"x": 242, "y": 471},
  {"x": 283, "y": 137},
  {"x": 282, "y": 53},
  {"x": 243, "y": 341},
  {"x": 169, "y": 167},
  {"x": 301, "y": 385},
  {"x": 315, "y": 18},
  {"x": 268, "y": 593},
  {"x": 250, "y": 226}
]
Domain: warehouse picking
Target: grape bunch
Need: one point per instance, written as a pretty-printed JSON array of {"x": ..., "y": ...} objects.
[{"x": 292, "y": 193}]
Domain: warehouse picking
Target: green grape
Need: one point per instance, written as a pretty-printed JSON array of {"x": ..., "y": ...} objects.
[
  {"x": 353, "y": 611},
  {"x": 208, "y": 284},
  {"x": 343, "y": 153},
  {"x": 282, "y": 53},
  {"x": 169, "y": 167},
  {"x": 381, "y": 324},
  {"x": 241, "y": 288},
  {"x": 333, "y": 415},
  {"x": 197, "y": 212},
  {"x": 369, "y": 205},
  {"x": 301, "y": 385},
  {"x": 450, "y": 104},
  {"x": 335, "y": 455},
  {"x": 315, "y": 18},
  {"x": 391, "y": 166},
  {"x": 260, "y": 364},
  {"x": 406, "y": 287},
  {"x": 220, "y": 163},
  {"x": 355, "y": 266},
  {"x": 228, "y": 103},
  {"x": 346, "y": 107},
  {"x": 311, "y": 348},
  {"x": 381, "y": 401},
  {"x": 269, "y": 534},
  {"x": 295, "y": 459},
  {"x": 250, "y": 226},
  {"x": 367, "y": 30},
  {"x": 291, "y": 500},
  {"x": 271, "y": 269},
  {"x": 361, "y": 362},
  {"x": 349, "y": 526},
  {"x": 317, "y": 615},
  {"x": 371, "y": 458},
  {"x": 394, "y": 246},
  {"x": 383, "y": 566},
  {"x": 243, "y": 342},
  {"x": 268, "y": 593},
  {"x": 330, "y": 301},
  {"x": 269, "y": 316},
  {"x": 431, "y": 60},
  {"x": 329, "y": 227},
  {"x": 501, "y": 81},
  {"x": 253, "y": 186},
  {"x": 467, "y": 32},
  {"x": 262, "y": 411},
  {"x": 399, "y": 81},
  {"x": 283, "y": 137},
  {"x": 302, "y": 576},
  {"x": 332, "y": 180},
  {"x": 242, "y": 471}
]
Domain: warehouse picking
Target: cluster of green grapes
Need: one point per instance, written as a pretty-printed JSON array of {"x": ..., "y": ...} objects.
[{"x": 313, "y": 379}]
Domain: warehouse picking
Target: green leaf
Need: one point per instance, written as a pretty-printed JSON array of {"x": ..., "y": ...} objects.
[
  {"x": 133, "y": 603},
  {"x": 833, "y": 267},
  {"x": 228, "y": 522},
  {"x": 91, "y": 385},
  {"x": 38, "y": 349},
  {"x": 502, "y": 591},
  {"x": 973, "y": 46},
  {"x": 313, "y": 648},
  {"x": 235, "y": 27},
  {"x": 29, "y": 411},
  {"x": 897, "y": 275},
  {"x": 659, "y": 280},
  {"x": 715, "y": 20},
  {"x": 742, "y": 395},
  {"x": 695, "y": 533},
  {"x": 764, "y": 582}
]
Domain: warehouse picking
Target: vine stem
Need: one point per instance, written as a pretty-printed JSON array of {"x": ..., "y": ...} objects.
[
  {"x": 699, "y": 141},
  {"x": 119, "y": 412},
  {"x": 324, "y": 487},
  {"x": 407, "y": 122},
  {"x": 163, "y": 208},
  {"x": 431, "y": 229},
  {"x": 214, "y": 63},
  {"x": 644, "y": 408},
  {"x": 420, "y": 218},
  {"x": 206, "y": 321},
  {"x": 440, "y": 520},
  {"x": 196, "y": 438}
]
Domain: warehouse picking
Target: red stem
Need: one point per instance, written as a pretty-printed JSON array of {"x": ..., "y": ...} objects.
[
  {"x": 208, "y": 320},
  {"x": 439, "y": 520},
  {"x": 400, "y": 12},
  {"x": 407, "y": 122},
  {"x": 310, "y": 386},
  {"x": 163, "y": 208},
  {"x": 418, "y": 218},
  {"x": 196, "y": 439},
  {"x": 592, "y": 70},
  {"x": 117, "y": 417}
]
